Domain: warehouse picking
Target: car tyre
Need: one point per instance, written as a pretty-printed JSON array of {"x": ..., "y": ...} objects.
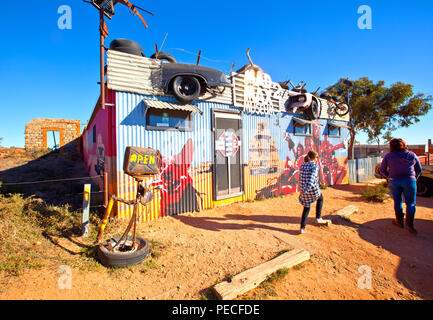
[
  {"x": 164, "y": 56},
  {"x": 423, "y": 188},
  {"x": 314, "y": 110},
  {"x": 186, "y": 88},
  {"x": 123, "y": 259},
  {"x": 127, "y": 46}
]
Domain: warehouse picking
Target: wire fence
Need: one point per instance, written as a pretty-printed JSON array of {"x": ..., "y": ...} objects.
[
  {"x": 50, "y": 181},
  {"x": 62, "y": 180}
]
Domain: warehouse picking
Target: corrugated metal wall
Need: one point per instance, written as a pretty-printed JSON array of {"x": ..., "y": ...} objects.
[
  {"x": 363, "y": 169},
  {"x": 131, "y": 131},
  {"x": 189, "y": 156}
]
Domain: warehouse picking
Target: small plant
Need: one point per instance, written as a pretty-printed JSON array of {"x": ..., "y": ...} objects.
[
  {"x": 378, "y": 193},
  {"x": 323, "y": 186},
  {"x": 279, "y": 274}
]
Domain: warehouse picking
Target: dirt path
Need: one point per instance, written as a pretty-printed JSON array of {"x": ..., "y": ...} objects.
[{"x": 198, "y": 250}]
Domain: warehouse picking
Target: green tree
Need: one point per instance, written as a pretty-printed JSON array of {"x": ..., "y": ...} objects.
[{"x": 379, "y": 110}]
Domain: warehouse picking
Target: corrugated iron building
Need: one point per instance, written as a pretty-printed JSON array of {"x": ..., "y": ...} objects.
[{"x": 231, "y": 147}]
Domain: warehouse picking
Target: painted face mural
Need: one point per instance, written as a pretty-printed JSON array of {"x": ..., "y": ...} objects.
[{"x": 175, "y": 183}]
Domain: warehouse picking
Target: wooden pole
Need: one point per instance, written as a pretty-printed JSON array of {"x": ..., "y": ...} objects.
[
  {"x": 86, "y": 210},
  {"x": 198, "y": 57}
]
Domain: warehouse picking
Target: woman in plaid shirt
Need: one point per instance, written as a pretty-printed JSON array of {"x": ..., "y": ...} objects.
[{"x": 309, "y": 187}]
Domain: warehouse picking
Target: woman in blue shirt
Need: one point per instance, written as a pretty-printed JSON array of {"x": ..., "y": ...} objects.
[{"x": 402, "y": 168}]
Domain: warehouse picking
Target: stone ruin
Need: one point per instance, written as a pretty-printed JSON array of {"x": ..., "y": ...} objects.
[{"x": 37, "y": 129}]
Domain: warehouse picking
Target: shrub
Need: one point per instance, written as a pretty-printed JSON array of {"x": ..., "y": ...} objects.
[
  {"x": 378, "y": 193},
  {"x": 323, "y": 186}
]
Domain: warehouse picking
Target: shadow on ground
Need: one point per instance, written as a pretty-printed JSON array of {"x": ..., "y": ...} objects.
[
  {"x": 415, "y": 271},
  {"x": 66, "y": 163}
]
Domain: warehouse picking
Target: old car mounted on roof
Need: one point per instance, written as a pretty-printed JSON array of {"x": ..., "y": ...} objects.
[{"x": 187, "y": 82}]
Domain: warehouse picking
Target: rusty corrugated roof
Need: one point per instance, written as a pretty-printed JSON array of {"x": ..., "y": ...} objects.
[{"x": 171, "y": 106}]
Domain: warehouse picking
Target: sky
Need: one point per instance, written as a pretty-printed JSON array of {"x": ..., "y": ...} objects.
[{"x": 47, "y": 72}]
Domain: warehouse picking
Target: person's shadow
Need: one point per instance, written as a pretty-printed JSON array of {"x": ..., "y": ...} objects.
[{"x": 415, "y": 271}]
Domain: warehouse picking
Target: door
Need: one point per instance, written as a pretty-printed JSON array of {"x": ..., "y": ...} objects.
[{"x": 228, "y": 177}]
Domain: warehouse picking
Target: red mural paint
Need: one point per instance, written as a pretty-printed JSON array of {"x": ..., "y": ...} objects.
[
  {"x": 175, "y": 183},
  {"x": 330, "y": 171}
]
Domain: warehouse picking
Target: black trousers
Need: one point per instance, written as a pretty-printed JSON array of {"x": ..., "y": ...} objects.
[{"x": 305, "y": 213}]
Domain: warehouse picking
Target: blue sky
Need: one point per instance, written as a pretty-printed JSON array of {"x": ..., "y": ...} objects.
[{"x": 46, "y": 72}]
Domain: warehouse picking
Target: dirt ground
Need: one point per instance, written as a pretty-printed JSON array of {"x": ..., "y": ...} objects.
[{"x": 196, "y": 251}]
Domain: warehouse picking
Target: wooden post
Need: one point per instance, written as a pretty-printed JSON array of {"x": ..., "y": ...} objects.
[
  {"x": 198, "y": 57},
  {"x": 86, "y": 210}
]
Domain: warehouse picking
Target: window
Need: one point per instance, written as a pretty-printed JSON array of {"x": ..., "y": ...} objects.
[
  {"x": 94, "y": 134},
  {"x": 302, "y": 129},
  {"x": 162, "y": 119},
  {"x": 334, "y": 131}
]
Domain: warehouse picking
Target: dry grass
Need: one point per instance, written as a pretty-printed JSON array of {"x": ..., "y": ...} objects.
[
  {"x": 24, "y": 226},
  {"x": 29, "y": 228}
]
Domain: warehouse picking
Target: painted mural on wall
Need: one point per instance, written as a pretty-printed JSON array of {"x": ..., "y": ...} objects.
[
  {"x": 263, "y": 152},
  {"x": 100, "y": 158},
  {"x": 332, "y": 162},
  {"x": 176, "y": 183}
]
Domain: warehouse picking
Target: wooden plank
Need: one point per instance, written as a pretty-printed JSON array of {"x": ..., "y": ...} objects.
[
  {"x": 251, "y": 278},
  {"x": 347, "y": 211}
]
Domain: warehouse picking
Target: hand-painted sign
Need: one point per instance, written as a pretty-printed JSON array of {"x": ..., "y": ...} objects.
[
  {"x": 228, "y": 144},
  {"x": 259, "y": 95}
]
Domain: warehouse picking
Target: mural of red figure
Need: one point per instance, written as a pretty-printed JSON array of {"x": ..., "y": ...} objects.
[
  {"x": 330, "y": 171},
  {"x": 175, "y": 183}
]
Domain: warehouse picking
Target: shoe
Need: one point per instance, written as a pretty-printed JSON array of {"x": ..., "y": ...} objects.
[
  {"x": 322, "y": 221},
  {"x": 302, "y": 230},
  {"x": 398, "y": 223},
  {"x": 409, "y": 224}
]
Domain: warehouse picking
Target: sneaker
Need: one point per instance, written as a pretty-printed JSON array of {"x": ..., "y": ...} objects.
[
  {"x": 302, "y": 230},
  {"x": 321, "y": 221}
]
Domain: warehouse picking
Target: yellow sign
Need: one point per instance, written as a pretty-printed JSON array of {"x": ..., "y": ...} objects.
[{"x": 142, "y": 160}]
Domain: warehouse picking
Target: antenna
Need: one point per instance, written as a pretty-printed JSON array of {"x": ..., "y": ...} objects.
[{"x": 106, "y": 9}]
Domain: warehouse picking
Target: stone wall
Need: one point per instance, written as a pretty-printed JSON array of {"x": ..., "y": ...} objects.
[{"x": 36, "y": 132}]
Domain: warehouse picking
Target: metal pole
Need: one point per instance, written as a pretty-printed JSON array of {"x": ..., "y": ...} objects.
[
  {"x": 105, "y": 189},
  {"x": 102, "y": 53}
]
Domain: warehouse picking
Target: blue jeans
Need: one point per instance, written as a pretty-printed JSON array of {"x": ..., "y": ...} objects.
[{"x": 406, "y": 187}]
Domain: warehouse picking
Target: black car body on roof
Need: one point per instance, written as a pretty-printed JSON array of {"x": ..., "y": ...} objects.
[{"x": 207, "y": 76}]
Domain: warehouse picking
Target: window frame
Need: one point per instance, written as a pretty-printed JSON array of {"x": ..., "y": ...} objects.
[
  {"x": 190, "y": 118},
  {"x": 297, "y": 124},
  {"x": 334, "y": 127}
]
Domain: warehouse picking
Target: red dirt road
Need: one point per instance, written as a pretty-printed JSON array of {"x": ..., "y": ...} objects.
[{"x": 201, "y": 249}]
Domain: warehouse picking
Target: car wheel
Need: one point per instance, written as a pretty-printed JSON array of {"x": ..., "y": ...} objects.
[
  {"x": 164, "y": 56},
  {"x": 119, "y": 258},
  {"x": 186, "y": 88},
  {"x": 314, "y": 110},
  {"x": 423, "y": 188}
]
